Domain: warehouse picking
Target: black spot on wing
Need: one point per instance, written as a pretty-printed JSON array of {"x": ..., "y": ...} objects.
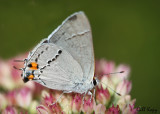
[
  {"x": 46, "y": 48},
  {"x": 53, "y": 59},
  {"x": 60, "y": 51},
  {"x": 63, "y": 33},
  {"x": 29, "y": 65},
  {"x": 56, "y": 56},
  {"x": 36, "y": 60},
  {"x": 45, "y": 41},
  {"x": 42, "y": 68},
  {"x": 49, "y": 61},
  {"x": 42, "y": 52},
  {"x": 73, "y": 18}
]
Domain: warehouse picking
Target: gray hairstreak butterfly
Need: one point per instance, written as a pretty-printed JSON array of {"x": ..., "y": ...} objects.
[{"x": 65, "y": 60}]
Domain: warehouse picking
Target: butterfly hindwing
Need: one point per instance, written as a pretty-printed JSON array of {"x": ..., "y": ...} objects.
[{"x": 57, "y": 68}]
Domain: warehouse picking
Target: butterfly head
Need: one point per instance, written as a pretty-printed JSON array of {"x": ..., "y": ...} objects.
[
  {"x": 28, "y": 70},
  {"x": 28, "y": 75}
]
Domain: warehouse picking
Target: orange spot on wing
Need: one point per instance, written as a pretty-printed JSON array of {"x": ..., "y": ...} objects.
[
  {"x": 30, "y": 77},
  {"x": 34, "y": 66}
]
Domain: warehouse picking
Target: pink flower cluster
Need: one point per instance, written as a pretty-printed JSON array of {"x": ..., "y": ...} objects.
[{"x": 17, "y": 97}]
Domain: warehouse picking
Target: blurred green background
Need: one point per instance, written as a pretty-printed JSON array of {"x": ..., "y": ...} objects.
[{"x": 123, "y": 31}]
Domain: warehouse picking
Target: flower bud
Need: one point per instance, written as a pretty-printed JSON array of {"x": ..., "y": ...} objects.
[
  {"x": 88, "y": 105},
  {"x": 76, "y": 103},
  {"x": 9, "y": 110},
  {"x": 102, "y": 95},
  {"x": 124, "y": 87},
  {"x": 24, "y": 97},
  {"x": 100, "y": 109},
  {"x": 113, "y": 110}
]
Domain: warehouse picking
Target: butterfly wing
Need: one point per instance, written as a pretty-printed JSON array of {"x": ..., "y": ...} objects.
[
  {"x": 57, "y": 68},
  {"x": 74, "y": 35}
]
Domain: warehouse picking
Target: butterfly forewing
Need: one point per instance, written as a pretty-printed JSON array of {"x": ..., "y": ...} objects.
[{"x": 74, "y": 35}]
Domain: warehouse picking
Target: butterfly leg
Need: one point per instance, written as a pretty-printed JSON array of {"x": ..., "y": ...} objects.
[
  {"x": 90, "y": 93},
  {"x": 94, "y": 92},
  {"x": 84, "y": 96},
  {"x": 60, "y": 97},
  {"x": 37, "y": 78}
]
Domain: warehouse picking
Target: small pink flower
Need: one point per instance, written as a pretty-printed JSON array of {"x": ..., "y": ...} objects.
[
  {"x": 24, "y": 97},
  {"x": 36, "y": 88},
  {"x": 11, "y": 97},
  {"x": 103, "y": 67},
  {"x": 3, "y": 101},
  {"x": 76, "y": 103},
  {"x": 124, "y": 87},
  {"x": 124, "y": 101},
  {"x": 102, "y": 95},
  {"x": 42, "y": 109},
  {"x": 113, "y": 110},
  {"x": 126, "y": 73},
  {"x": 15, "y": 74},
  {"x": 6, "y": 80},
  {"x": 108, "y": 68},
  {"x": 88, "y": 105},
  {"x": 23, "y": 112},
  {"x": 130, "y": 109},
  {"x": 48, "y": 101},
  {"x": 56, "y": 109},
  {"x": 100, "y": 109},
  {"x": 9, "y": 110},
  {"x": 117, "y": 78},
  {"x": 65, "y": 102}
]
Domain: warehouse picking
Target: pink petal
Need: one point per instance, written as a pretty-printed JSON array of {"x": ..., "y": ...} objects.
[
  {"x": 100, "y": 109},
  {"x": 102, "y": 95},
  {"x": 76, "y": 103},
  {"x": 132, "y": 109},
  {"x": 88, "y": 105},
  {"x": 24, "y": 97},
  {"x": 11, "y": 97},
  {"x": 124, "y": 87},
  {"x": 113, "y": 110},
  {"x": 126, "y": 70},
  {"x": 42, "y": 109},
  {"x": 9, "y": 110},
  {"x": 48, "y": 100},
  {"x": 103, "y": 67}
]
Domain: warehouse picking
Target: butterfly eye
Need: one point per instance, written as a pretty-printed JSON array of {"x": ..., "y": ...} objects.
[{"x": 94, "y": 82}]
